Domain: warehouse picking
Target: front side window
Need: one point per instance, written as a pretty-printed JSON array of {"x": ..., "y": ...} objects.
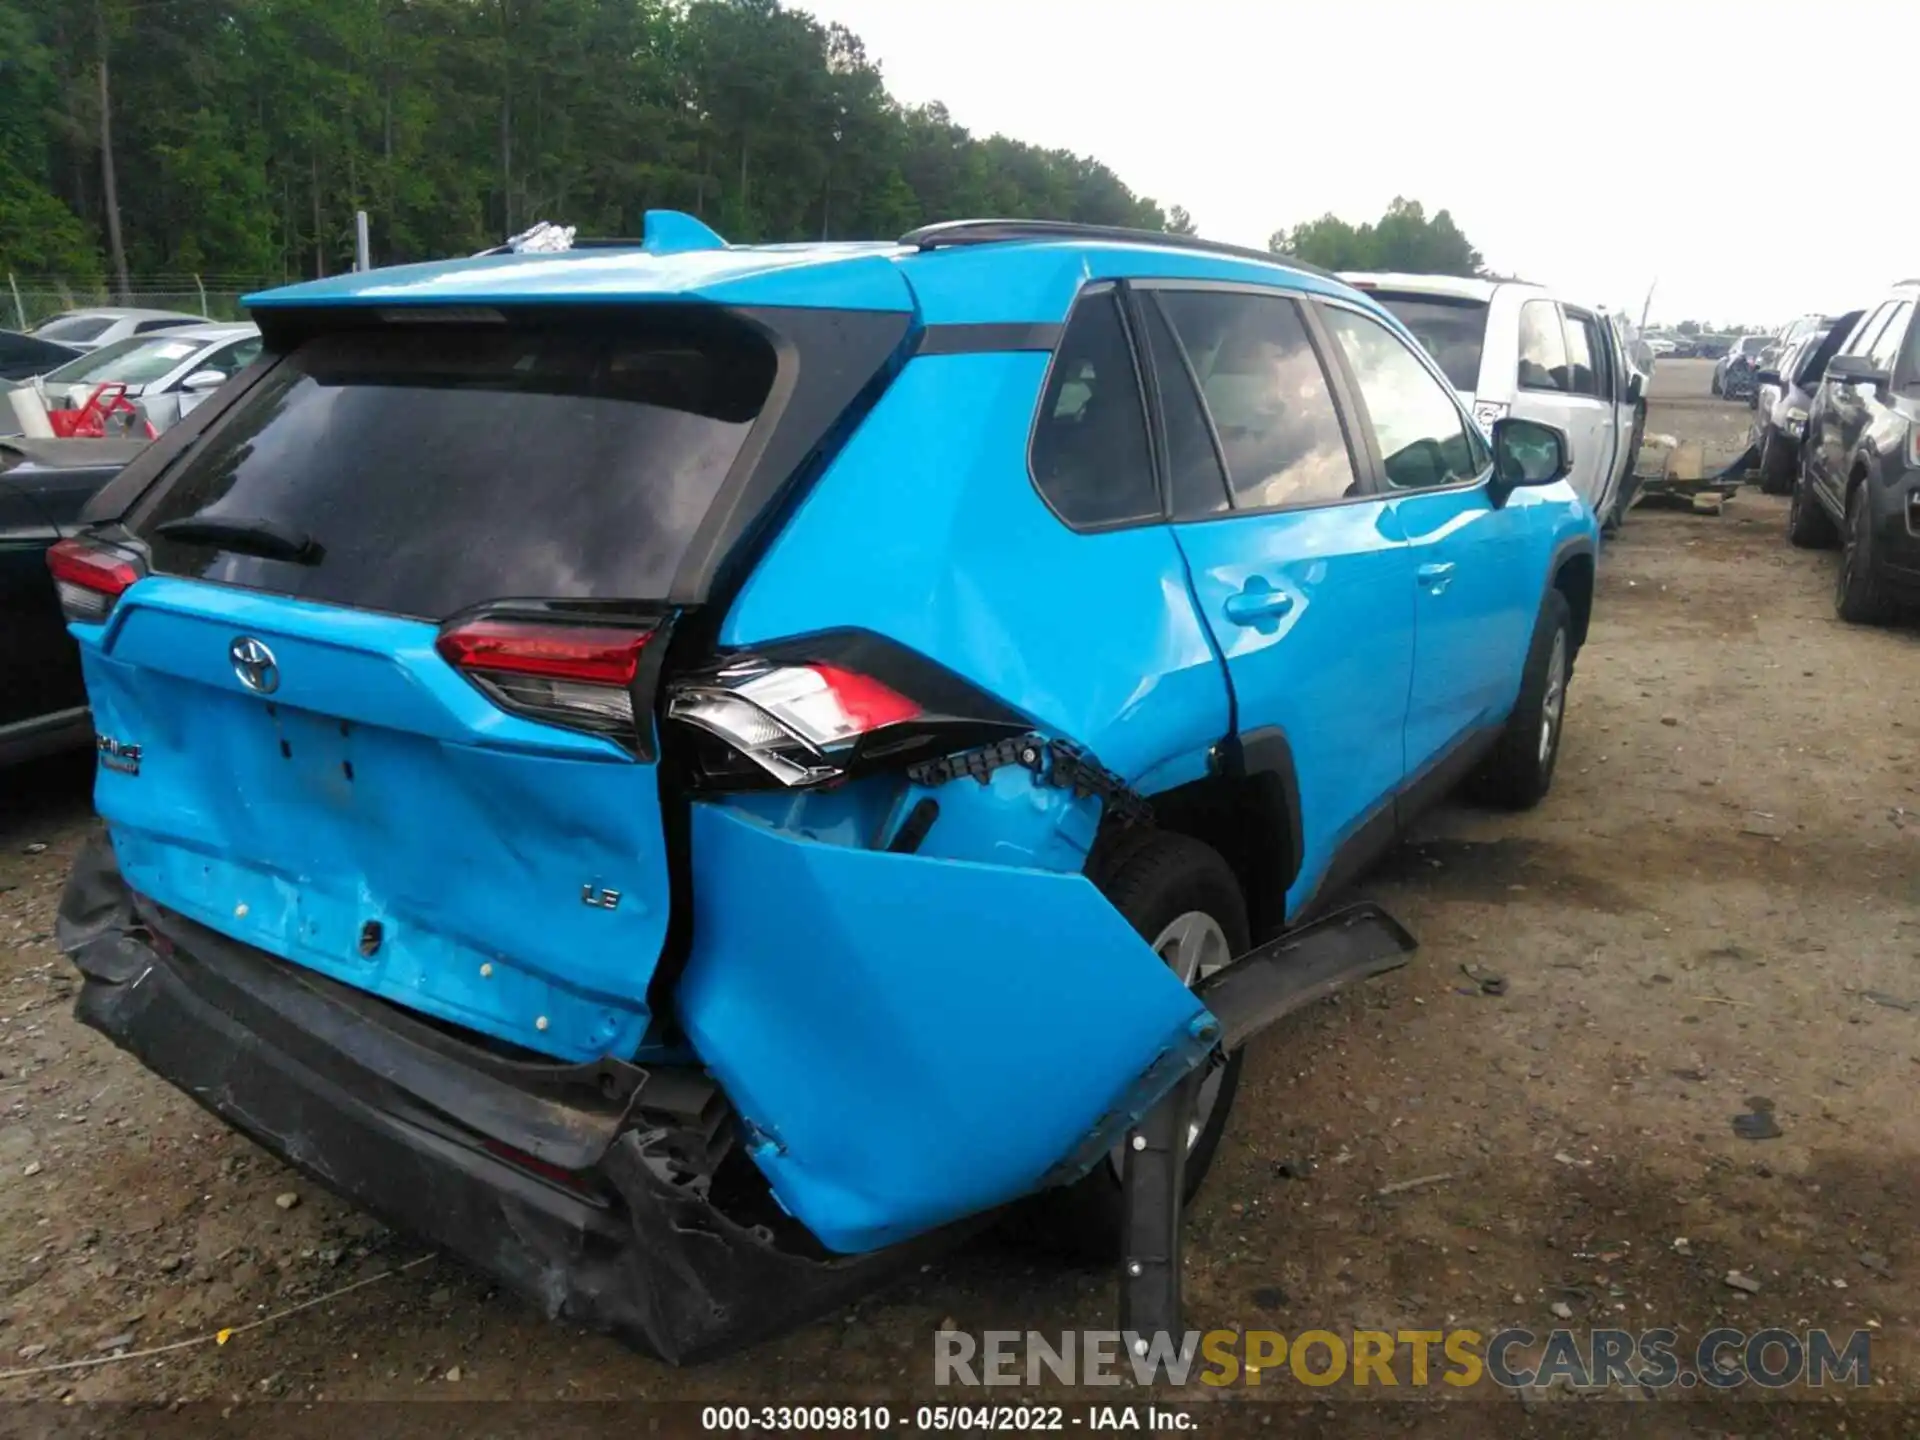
[
  {"x": 1543, "y": 347},
  {"x": 1424, "y": 441},
  {"x": 1089, "y": 455},
  {"x": 1268, "y": 395},
  {"x": 1868, "y": 330},
  {"x": 1886, "y": 345}
]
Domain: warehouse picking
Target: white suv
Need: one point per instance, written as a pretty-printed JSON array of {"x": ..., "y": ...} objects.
[{"x": 1511, "y": 348}]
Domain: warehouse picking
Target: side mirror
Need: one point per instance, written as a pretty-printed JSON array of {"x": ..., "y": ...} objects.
[
  {"x": 203, "y": 380},
  {"x": 1525, "y": 452},
  {"x": 1768, "y": 377},
  {"x": 1636, "y": 387},
  {"x": 1855, "y": 370}
]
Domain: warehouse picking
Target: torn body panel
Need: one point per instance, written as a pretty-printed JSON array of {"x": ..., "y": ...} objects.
[
  {"x": 936, "y": 1042},
  {"x": 589, "y": 1190}
]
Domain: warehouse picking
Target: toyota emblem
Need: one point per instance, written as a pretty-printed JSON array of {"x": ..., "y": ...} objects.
[{"x": 253, "y": 662}]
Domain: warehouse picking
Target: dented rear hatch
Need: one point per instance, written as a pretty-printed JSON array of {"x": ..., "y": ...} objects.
[{"x": 375, "y": 685}]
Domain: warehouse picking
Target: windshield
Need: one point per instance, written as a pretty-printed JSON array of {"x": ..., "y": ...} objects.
[
  {"x": 133, "y": 361},
  {"x": 75, "y": 327},
  {"x": 1750, "y": 345},
  {"x": 436, "y": 467},
  {"x": 1452, "y": 330}
]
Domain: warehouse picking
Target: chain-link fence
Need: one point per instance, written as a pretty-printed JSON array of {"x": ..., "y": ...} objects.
[{"x": 31, "y": 300}]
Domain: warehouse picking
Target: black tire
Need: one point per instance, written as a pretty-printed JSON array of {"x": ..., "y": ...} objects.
[
  {"x": 1152, "y": 878},
  {"x": 1860, "y": 594},
  {"x": 1808, "y": 525},
  {"x": 1776, "y": 464},
  {"x": 1519, "y": 772},
  {"x": 1716, "y": 382}
]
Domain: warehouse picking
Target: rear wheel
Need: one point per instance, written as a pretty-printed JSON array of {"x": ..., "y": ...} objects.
[
  {"x": 1808, "y": 526},
  {"x": 1183, "y": 898},
  {"x": 1776, "y": 464},
  {"x": 1860, "y": 595},
  {"x": 1519, "y": 772}
]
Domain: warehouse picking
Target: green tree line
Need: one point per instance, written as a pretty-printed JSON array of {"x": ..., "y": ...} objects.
[
  {"x": 238, "y": 137},
  {"x": 1405, "y": 239}
]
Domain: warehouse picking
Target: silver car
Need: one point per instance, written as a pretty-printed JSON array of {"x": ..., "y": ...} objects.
[
  {"x": 193, "y": 359},
  {"x": 91, "y": 329}
]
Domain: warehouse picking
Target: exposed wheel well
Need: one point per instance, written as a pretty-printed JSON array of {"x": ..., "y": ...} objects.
[
  {"x": 1250, "y": 819},
  {"x": 1574, "y": 579}
]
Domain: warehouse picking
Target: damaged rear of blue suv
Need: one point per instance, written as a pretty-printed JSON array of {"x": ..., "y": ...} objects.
[{"x": 686, "y": 774}]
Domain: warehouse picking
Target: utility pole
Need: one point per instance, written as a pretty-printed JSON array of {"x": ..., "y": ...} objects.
[{"x": 110, "y": 190}]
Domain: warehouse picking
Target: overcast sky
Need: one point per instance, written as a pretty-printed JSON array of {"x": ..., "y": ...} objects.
[{"x": 1598, "y": 147}]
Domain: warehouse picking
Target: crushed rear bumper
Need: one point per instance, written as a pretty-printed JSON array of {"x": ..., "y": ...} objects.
[{"x": 591, "y": 1190}]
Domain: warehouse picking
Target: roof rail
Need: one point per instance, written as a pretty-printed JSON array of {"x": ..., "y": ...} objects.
[{"x": 992, "y": 232}]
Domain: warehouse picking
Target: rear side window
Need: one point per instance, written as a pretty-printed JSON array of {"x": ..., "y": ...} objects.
[
  {"x": 1198, "y": 483},
  {"x": 1454, "y": 332},
  {"x": 438, "y": 466},
  {"x": 1543, "y": 347},
  {"x": 1090, "y": 456},
  {"x": 75, "y": 327},
  {"x": 1424, "y": 440},
  {"x": 1269, "y": 398}
]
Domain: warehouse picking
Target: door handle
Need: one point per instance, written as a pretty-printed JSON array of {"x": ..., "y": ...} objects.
[
  {"x": 1436, "y": 576},
  {"x": 1259, "y": 603}
]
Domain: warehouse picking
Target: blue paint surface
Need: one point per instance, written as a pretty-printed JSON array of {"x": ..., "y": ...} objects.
[
  {"x": 911, "y": 1040},
  {"x": 376, "y": 784}
]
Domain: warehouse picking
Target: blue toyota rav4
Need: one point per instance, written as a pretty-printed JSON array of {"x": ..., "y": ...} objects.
[{"x": 684, "y": 773}]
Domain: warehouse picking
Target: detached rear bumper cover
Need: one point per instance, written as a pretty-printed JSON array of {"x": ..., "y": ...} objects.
[
  {"x": 379, "y": 1110},
  {"x": 936, "y": 1039}
]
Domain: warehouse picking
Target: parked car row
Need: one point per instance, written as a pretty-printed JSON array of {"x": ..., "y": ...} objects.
[
  {"x": 1513, "y": 348},
  {"x": 164, "y": 376},
  {"x": 1856, "y": 467}
]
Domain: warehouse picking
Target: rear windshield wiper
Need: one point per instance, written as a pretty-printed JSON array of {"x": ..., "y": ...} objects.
[{"x": 268, "y": 539}]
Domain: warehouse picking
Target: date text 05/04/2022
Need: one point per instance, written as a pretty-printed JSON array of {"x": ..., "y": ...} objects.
[{"x": 931, "y": 1419}]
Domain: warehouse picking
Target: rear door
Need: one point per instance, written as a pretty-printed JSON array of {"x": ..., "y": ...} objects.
[
  {"x": 388, "y": 678},
  {"x": 1300, "y": 570}
]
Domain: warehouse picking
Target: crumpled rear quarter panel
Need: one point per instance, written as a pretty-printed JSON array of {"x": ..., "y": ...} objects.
[{"x": 910, "y": 1040}]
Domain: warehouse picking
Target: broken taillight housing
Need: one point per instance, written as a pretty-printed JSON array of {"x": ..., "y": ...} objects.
[
  {"x": 795, "y": 722},
  {"x": 90, "y": 578},
  {"x": 804, "y": 719},
  {"x": 577, "y": 675}
]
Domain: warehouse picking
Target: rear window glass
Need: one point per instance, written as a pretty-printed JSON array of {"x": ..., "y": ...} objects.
[
  {"x": 434, "y": 467},
  {"x": 1453, "y": 332},
  {"x": 75, "y": 327}
]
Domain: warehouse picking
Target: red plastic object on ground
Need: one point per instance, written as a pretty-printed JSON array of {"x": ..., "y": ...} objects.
[{"x": 89, "y": 422}]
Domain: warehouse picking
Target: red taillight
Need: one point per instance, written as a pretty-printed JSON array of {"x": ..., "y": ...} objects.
[
  {"x": 89, "y": 580},
  {"x": 573, "y": 675},
  {"x": 590, "y": 655}
]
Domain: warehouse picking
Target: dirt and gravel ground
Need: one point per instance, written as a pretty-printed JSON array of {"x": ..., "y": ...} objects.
[{"x": 1720, "y": 901}]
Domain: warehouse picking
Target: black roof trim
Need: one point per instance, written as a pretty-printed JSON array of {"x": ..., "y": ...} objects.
[{"x": 993, "y": 232}]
